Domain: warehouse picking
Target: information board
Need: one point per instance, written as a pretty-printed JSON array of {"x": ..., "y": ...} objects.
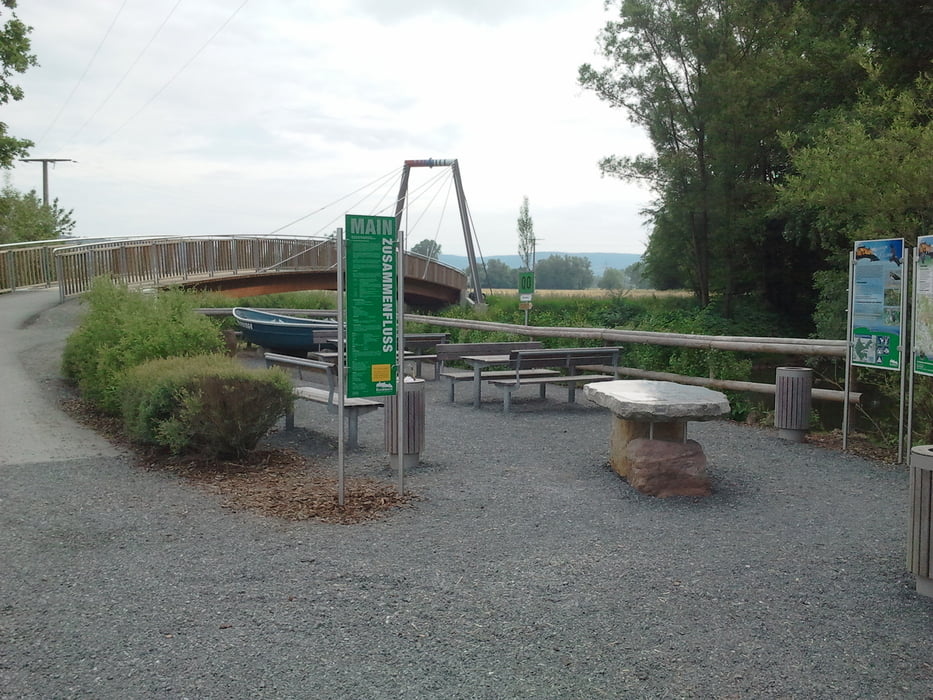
[
  {"x": 923, "y": 307},
  {"x": 878, "y": 292},
  {"x": 372, "y": 305}
]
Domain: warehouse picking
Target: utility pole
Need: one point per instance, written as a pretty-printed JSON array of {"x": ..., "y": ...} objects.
[{"x": 45, "y": 172}]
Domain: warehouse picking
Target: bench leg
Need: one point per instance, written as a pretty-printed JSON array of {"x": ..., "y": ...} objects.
[
  {"x": 506, "y": 400},
  {"x": 353, "y": 428},
  {"x": 452, "y": 384},
  {"x": 542, "y": 391},
  {"x": 290, "y": 419}
]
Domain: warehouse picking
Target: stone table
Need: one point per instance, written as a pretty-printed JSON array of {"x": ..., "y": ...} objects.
[{"x": 647, "y": 444}]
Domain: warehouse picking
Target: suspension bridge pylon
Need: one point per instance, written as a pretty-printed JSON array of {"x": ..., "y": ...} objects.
[{"x": 453, "y": 164}]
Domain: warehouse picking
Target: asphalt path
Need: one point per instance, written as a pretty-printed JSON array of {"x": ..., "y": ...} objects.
[{"x": 34, "y": 429}]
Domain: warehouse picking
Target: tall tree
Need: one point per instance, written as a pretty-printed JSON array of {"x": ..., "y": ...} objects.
[
  {"x": 526, "y": 236},
  {"x": 865, "y": 174},
  {"x": 498, "y": 275},
  {"x": 564, "y": 272},
  {"x": 429, "y": 248},
  {"x": 611, "y": 278},
  {"x": 713, "y": 82},
  {"x": 24, "y": 217},
  {"x": 14, "y": 58}
]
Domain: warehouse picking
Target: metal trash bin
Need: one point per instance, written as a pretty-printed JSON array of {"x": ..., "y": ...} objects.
[
  {"x": 792, "y": 402},
  {"x": 920, "y": 529},
  {"x": 414, "y": 423}
]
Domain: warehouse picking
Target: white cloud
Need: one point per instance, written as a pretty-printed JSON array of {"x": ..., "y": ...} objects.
[{"x": 292, "y": 107}]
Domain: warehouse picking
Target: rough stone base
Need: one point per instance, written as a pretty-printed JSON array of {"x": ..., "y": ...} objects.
[{"x": 660, "y": 468}]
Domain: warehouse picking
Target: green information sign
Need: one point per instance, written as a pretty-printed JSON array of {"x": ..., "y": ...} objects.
[
  {"x": 526, "y": 282},
  {"x": 372, "y": 305}
]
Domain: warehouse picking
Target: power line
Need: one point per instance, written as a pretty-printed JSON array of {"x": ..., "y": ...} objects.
[
  {"x": 177, "y": 73},
  {"x": 84, "y": 74},
  {"x": 128, "y": 71}
]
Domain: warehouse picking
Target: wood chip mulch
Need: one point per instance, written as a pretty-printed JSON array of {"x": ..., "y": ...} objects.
[{"x": 277, "y": 482}]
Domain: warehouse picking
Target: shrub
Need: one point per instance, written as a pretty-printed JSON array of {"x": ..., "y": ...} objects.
[
  {"x": 123, "y": 329},
  {"x": 208, "y": 405}
]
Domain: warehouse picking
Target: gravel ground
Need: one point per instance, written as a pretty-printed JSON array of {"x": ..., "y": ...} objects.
[{"x": 526, "y": 569}]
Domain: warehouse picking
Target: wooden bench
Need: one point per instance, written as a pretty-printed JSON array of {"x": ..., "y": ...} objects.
[
  {"x": 324, "y": 375},
  {"x": 557, "y": 360},
  {"x": 497, "y": 354}
]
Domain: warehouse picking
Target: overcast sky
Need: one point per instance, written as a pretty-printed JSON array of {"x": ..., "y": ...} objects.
[{"x": 233, "y": 116}]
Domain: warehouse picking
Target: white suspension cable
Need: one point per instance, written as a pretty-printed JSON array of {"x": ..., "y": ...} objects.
[{"x": 379, "y": 179}]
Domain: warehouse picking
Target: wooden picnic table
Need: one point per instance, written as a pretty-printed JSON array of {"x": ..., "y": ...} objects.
[{"x": 479, "y": 363}]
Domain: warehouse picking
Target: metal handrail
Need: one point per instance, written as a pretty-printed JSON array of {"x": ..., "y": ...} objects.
[{"x": 142, "y": 262}]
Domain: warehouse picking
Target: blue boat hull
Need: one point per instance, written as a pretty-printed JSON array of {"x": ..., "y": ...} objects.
[{"x": 281, "y": 333}]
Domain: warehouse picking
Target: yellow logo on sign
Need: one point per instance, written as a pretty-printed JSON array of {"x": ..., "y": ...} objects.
[{"x": 381, "y": 373}]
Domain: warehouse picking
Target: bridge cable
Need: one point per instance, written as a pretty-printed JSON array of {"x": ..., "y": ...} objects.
[
  {"x": 336, "y": 201},
  {"x": 424, "y": 211},
  {"x": 328, "y": 223},
  {"x": 450, "y": 187}
]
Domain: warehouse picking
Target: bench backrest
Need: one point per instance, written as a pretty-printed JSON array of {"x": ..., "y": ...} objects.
[
  {"x": 564, "y": 357},
  {"x": 321, "y": 373},
  {"x": 454, "y": 351},
  {"x": 424, "y": 341}
]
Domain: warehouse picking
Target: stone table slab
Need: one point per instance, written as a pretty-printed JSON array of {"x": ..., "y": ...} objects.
[{"x": 652, "y": 401}]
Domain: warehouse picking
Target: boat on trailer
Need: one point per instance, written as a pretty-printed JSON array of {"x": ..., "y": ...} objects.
[{"x": 285, "y": 334}]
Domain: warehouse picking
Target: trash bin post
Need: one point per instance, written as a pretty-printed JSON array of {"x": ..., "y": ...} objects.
[
  {"x": 414, "y": 424},
  {"x": 920, "y": 530},
  {"x": 792, "y": 401}
]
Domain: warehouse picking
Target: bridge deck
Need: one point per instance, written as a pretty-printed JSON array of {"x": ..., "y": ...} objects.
[{"x": 234, "y": 265}]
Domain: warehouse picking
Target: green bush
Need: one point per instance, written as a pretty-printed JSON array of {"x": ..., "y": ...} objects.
[
  {"x": 209, "y": 405},
  {"x": 123, "y": 329}
]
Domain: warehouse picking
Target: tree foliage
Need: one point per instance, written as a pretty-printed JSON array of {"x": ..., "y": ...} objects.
[
  {"x": 497, "y": 275},
  {"x": 563, "y": 272},
  {"x": 865, "y": 174},
  {"x": 612, "y": 278},
  {"x": 15, "y": 57},
  {"x": 526, "y": 236},
  {"x": 429, "y": 248},
  {"x": 23, "y": 217},
  {"x": 713, "y": 83}
]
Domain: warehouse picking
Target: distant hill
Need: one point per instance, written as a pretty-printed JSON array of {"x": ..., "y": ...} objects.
[{"x": 598, "y": 261}]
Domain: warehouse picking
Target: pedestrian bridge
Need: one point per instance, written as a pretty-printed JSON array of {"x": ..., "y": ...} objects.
[{"x": 237, "y": 266}]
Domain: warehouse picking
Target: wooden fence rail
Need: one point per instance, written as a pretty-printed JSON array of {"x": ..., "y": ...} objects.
[{"x": 780, "y": 346}]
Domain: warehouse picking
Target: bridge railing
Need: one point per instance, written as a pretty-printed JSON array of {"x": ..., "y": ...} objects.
[
  {"x": 27, "y": 265},
  {"x": 181, "y": 259},
  {"x": 162, "y": 261}
]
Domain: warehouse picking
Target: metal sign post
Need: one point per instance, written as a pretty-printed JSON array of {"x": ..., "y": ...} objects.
[
  {"x": 400, "y": 364},
  {"x": 341, "y": 367}
]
